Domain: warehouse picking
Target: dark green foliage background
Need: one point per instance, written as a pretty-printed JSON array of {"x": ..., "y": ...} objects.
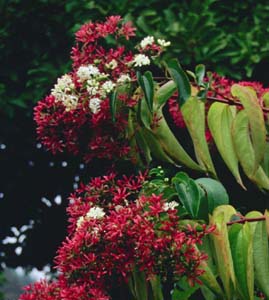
[{"x": 230, "y": 37}]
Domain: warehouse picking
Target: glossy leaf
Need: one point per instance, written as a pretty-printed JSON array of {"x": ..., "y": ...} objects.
[
  {"x": 156, "y": 288},
  {"x": 164, "y": 93},
  {"x": 220, "y": 118},
  {"x": 132, "y": 140},
  {"x": 144, "y": 114},
  {"x": 143, "y": 146},
  {"x": 265, "y": 98},
  {"x": 171, "y": 146},
  {"x": 188, "y": 193},
  {"x": 248, "y": 98},
  {"x": 193, "y": 112},
  {"x": 210, "y": 281},
  {"x": 265, "y": 162},
  {"x": 261, "y": 257},
  {"x": 245, "y": 151},
  {"x": 215, "y": 193},
  {"x": 181, "y": 80},
  {"x": 182, "y": 290},
  {"x": 224, "y": 261},
  {"x": 138, "y": 285},
  {"x": 113, "y": 104},
  {"x": 241, "y": 241},
  {"x": 147, "y": 85},
  {"x": 155, "y": 147},
  {"x": 200, "y": 73}
]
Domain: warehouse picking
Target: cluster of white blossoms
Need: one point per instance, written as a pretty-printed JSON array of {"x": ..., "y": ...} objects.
[
  {"x": 163, "y": 43},
  {"x": 96, "y": 84},
  {"x": 141, "y": 60},
  {"x": 85, "y": 73},
  {"x": 64, "y": 91},
  {"x": 124, "y": 78},
  {"x": 108, "y": 86},
  {"x": 149, "y": 40},
  {"x": 170, "y": 205},
  {"x": 95, "y": 105},
  {"x": 95, "y": 212}
]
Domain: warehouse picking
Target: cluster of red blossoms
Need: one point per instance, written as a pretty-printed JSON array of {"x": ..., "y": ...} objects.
[
  {"x": 113, "y": 230},
  {"x": 220, "y": 88},
  {"x": 76, "y": 116}
]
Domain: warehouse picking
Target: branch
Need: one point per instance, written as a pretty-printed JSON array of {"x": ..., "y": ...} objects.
[
  {"x": 244, "y": 220},
  {"x": 233, "y": 102}
]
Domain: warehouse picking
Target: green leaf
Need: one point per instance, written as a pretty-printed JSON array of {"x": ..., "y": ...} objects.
[
  {"x": 207, "y": 293},
  {"x": 183, "y": 291},
  {"x": 265, "y": 98},
  {"x": 241, "y": 242},
  {"x": 132, "y": 140},
  {"x": 209, "y": 280},
  {"x": 209, "y": 277},
  {"x": 143, "y": 146},
  {"x": 155, "y": 147},
  {"x": 200, "y": 73},
  {"x": 188, "y": 193},
  {"x": 144, "y": 114},
  {"x": 181, "y": 80},
  {"x": 249, "y": 99},
  {"x": 193, "y": 112},
  {"x": 224, "y": 261},
  {"x": 215, "y": 193},
  {"x": 220, "y": 118},
  {"x": 245, "y": 151},
  {"x": 147, "y": 85},
  {"x": 261, "y": 257},
  {"x": 265, "y": 162},
  {"x": 164, "y": 93},
  {"x": 170, "y": 144},
  {"x": 113, "y": 104},
  {"x": 138, "y": 285},
  {"x": 156, "y": 288}
]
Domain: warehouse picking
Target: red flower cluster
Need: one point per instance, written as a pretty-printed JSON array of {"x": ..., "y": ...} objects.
[
  {"x": 76, "y": 117},
  {"x": 220, "y": 88},
  {"x": 112, "y": 230},
  {"x": 58, "y": 290}
]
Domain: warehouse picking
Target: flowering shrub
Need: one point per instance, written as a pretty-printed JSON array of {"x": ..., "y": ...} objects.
[
  {"x": 112, "y": 231},
  {"x": 120, "y": 229},
  {"x": 76, "y": 116}
]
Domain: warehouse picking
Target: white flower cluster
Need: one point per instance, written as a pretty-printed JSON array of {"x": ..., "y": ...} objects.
[
  {"x": 85, "y": 73},
  {"x": 64, "y": 91},
  {"x": 94, "y": 105},
  {"x": 141, "y": 60},
  {"x": 149, "y": 40},
  {"x": 124, "y": 78},
  {"x": 95, "y": 212},
  {"x": 108, "y": 86},
  {"x": 163, "y": 43},
  {"x": 93, "y": 81},
  {"x": 92, "y": 86},
  {"x": 170, "y": 205}
]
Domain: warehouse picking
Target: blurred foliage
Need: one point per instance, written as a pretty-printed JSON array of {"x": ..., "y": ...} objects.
[
  {"x": 230, "y": 37},
  {"x": 2, "y": 280}
]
